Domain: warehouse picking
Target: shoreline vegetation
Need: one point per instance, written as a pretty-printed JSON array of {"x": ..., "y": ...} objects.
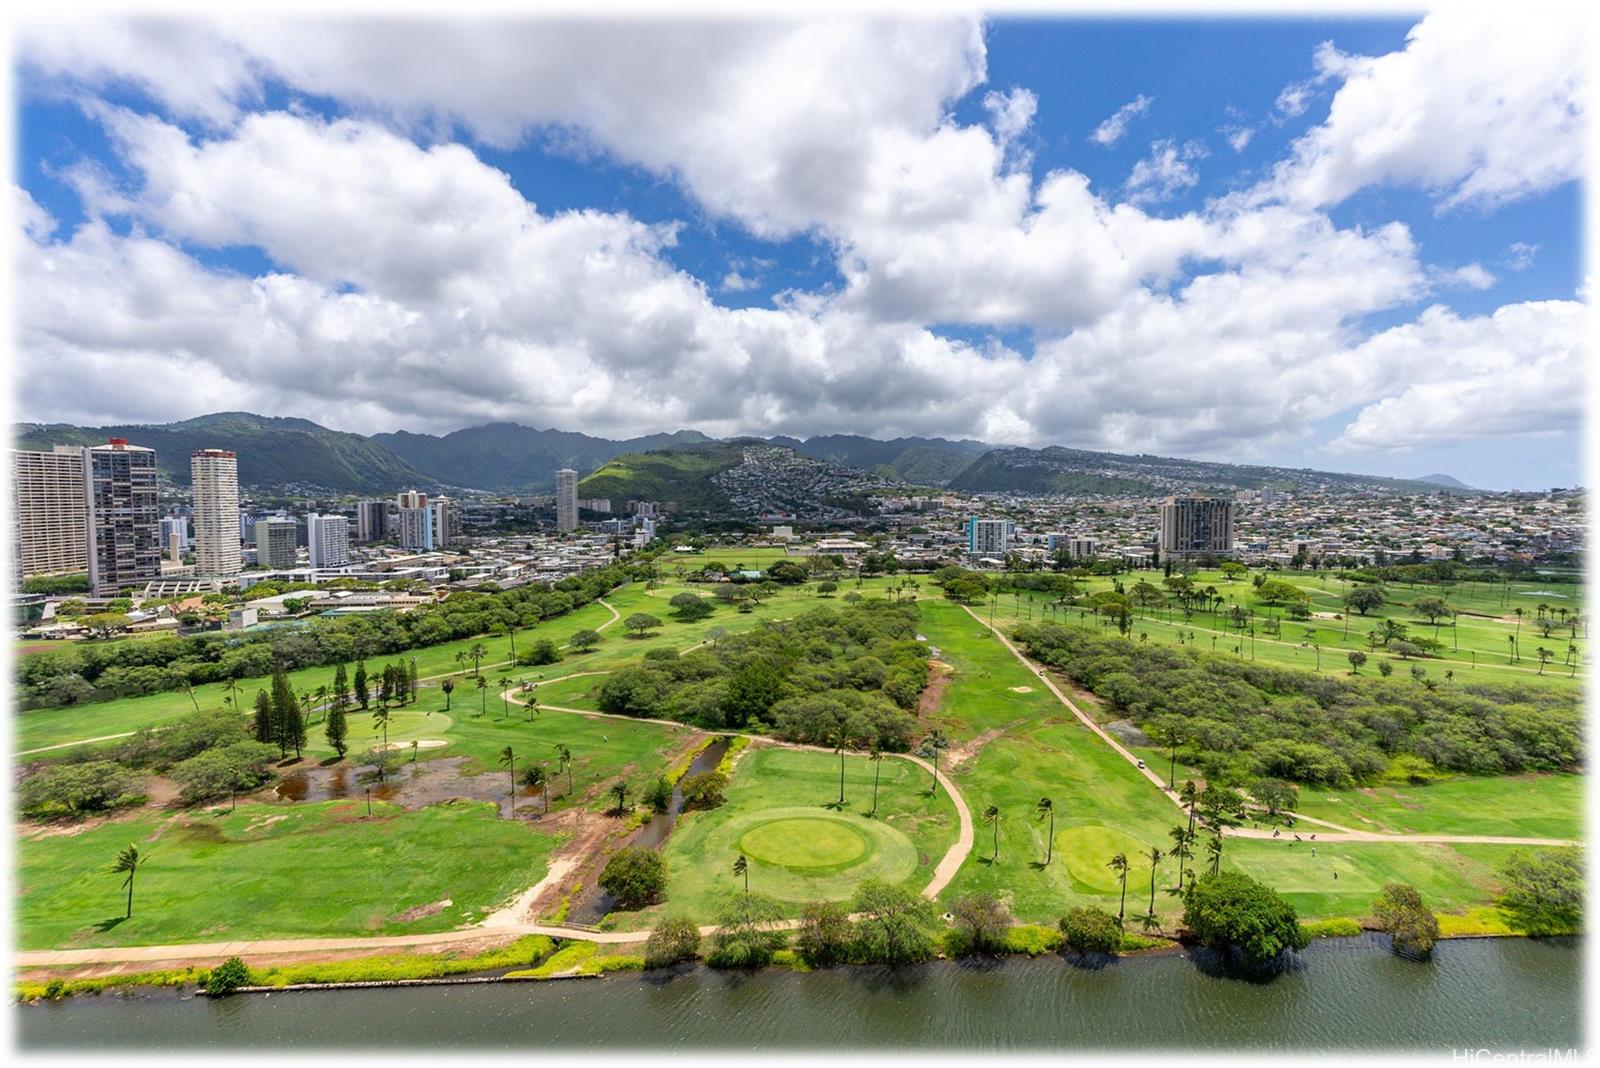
[{"x": 537, "y": 958}]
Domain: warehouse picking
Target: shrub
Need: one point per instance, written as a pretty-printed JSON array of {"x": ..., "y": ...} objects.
[
  {"x": 742, "y": 939},
  {"x": 1231, "y": 911},
  {"x": 227, "y": 977},
  {"x": 982, "y": 921},
  {"x": 70, "y": 789},
  {"x": 1544, "y": 891},
  {"x": 237, "y": 768},
  {"x": 898, "y": 925},
  {"x": 825, "y": 932},
  {"x": 1411, "y": 924},
  {"x": 704, "y": 790},
  {"x": 675, "y": 939},
  {"x": 635, "y": 878},
  {"x": 1088, "y": 929},
  {"x": 1032, "y": 939},
  {"x": 1339, "y": 927},
  {"x": 543, "y": 651}
]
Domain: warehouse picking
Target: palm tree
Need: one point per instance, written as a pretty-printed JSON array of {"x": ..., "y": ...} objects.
[
  {"x": 232, "y": 686},
  {"x": 1544, "y": 657},
  {"x": 189, "y": 692},
  {"x": 1512, "y": 638},
  {"x": 129, "y": 862},
  {"x": 1155, "y": 858},
  {"x": 322, "y": 699},
  {"x": 508, "y": 760},
  {"x": 380, "y": 722},
  {"x": 1214, "y": 850},
  {"x": 448, "y": 686},
  {"x": 1119, "y": 863},
  {"x": 1046, "y": 808},
  {"x": 477, "y": 653},
  {"x": 935, "y": 743},
  {"x": 483, "y": 696},
  {"x": 619, "y": 790},
  {"x": 741, "y": 866},
  {"x": 505, "y": 706},
  {"x": 461, "y": 659},
  {"x": 876, "y": 756},
  {"x": 564, "y": 755},
  {"x": 1190, "y": 797},
  {"x": 1181, "y": 838},
  {"x": 991, "y": 816},
  {"x": 837, "y": 738}
]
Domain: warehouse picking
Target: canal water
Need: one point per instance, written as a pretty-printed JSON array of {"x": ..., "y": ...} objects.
[
  {"x": 592, "y": 907},
  {"x": 1348, "y": 994}
]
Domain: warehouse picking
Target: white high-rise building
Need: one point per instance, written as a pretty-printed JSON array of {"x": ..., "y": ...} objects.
[
  {"x": 566, "y": 499},
  {"x": 49, "y": 517},
  {"x": 988, "y": 537},
  {"x": 175, "y": 526},
  {"x": 416, "y": 528},
  {"x": 214, "y": 475},
  {"x": 411, "y": 499},
  {"x": 446, "y": 521},
  {"x": 328, "y": 540}
]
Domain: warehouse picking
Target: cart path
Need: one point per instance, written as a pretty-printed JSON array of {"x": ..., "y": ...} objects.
[{"x": 1343, "y": 835}]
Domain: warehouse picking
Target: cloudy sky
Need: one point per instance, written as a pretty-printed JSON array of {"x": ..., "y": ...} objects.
[{"x": 1345, "y": 244}]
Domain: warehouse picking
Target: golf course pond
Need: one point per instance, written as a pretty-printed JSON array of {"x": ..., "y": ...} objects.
[{"x": 1346, "y": 994}]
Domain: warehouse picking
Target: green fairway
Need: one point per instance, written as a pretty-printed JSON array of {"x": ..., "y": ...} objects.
[
  {"x": 271, "y": 871},
  {"x": 1522, "y": 806},
  {"x": 1103, "y": 806},
  {"x": 799, "y": 849},
  {"x": 1477, "y": 645}
]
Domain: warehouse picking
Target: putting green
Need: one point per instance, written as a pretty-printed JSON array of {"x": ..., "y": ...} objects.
[
  {"x": 805, "y": 843},
  {"x": 1086, "y": 848}
]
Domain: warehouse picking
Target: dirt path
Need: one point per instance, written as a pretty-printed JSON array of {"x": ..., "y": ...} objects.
[{"x": 1344, "y": 835}]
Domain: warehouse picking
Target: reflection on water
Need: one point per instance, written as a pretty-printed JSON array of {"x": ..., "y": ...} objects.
[
  {"x": 1350, "y": 994},
  {"x": 409, "y": 785}
]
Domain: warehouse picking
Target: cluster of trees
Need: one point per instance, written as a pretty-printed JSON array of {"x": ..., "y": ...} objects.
[
  {"x": 1242, "y": 721},
  {"x": 844, "y": 677},
  {"x": 120, "y": 669}
]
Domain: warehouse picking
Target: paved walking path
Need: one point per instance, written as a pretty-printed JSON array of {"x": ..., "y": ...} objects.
[{"x": 1341, "y": 835}]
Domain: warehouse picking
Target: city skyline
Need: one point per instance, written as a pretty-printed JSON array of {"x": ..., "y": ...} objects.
[{"x": 1172, "y": 249}]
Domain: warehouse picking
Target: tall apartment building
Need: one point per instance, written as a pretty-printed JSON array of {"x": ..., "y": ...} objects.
[
  {"x": 123, "y": 516},
  {"x": 416, "y": 528},
  {"x": 49, "y": 511},
  {"x": 1196, "y": 526},
  {"x": 372, "y": 520},
  {"x": 1076, "y": 546},
  {"x": 276, "y": 540},
  {"x": 447, "y": 526},
  {"x": 411, "y": 499},
  {"x": 214, "y": 480},
  {"x": 328, "y": 540},
  {"x": 988, "y": 537},
  {"x": 566, "y": 499}
]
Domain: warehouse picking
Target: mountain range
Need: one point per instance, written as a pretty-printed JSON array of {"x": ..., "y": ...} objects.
[{"x": 511, "y": 458}]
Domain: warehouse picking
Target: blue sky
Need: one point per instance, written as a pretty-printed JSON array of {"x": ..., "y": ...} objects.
[{"x": 619, "y": 252}]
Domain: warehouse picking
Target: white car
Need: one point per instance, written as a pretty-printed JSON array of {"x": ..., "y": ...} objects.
[{"x": 1139, "y": 764}]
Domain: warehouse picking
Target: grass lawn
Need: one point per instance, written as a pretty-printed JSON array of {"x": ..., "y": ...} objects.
[
  {"x": 799, "y": 849},
  {"x": 1103, "y": 806},
  {"x": 270, "y": 871},
  {"x": 1524, "y": 806},
  {"x": 1476, "y": 645}
]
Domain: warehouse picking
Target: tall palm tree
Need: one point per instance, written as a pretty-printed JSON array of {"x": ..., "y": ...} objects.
[
  {"x": 1046, "y": 809},
  {"x": 991, "y": 816},
  {"x": 322, "y": 699},
  {"x": 380, "y": 722},
  {"x": 741, "y": 866},
  {"x": 1190, "y": 796},
  {"x": 1214, "y": 850},
  {"x": 1181, "y": 839},
  {"x": 564, "y": 755},
  {"x": 1544, "y": 656},
  {"x": 936, "y": 743},
  {"x": 876, "y": 756},
  {"x": 508, "y": 760},
  {"x": 1119, "y": 864},
  {"x": 128, "y": 863},
  {"x": 505, "y": 706},
  {"x": 449, "y": 687},
  {"x": 1155, "y": 858},
  {"x": 837, "y": 739},
  {"x": 483, "y": 696},
  {"x": 619, "y": 790},
  {"x": 477, "y": 653},
  {"x": 461, "y": 659}
]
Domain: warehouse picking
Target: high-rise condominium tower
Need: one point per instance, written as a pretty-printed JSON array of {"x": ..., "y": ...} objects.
[
  {"x": 49, "y": 517},
  {"x": 1196, "y": 526},
  {"x": 566, "y": 499},
  {"x": 214, "y": 477},
  {"x": 123, "y": 516}
]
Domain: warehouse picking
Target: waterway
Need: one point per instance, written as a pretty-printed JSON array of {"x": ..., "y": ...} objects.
[{"x": 1347, "y": 994}]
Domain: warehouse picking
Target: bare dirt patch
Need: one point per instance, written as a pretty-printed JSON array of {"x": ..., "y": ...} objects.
[
  {"x": 419, "y": 912},
  {"x": 959, "y": 755},
  {"x": 938, "y": 678}
]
